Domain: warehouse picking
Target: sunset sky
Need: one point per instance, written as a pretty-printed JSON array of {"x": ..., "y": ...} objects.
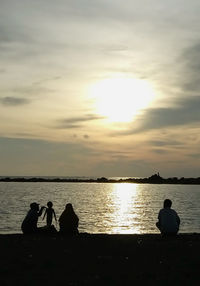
[{"x": 100, "y": 87}]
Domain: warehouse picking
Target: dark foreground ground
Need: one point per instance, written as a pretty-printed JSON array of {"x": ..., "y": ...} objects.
[{"x": 100, "y": 260}]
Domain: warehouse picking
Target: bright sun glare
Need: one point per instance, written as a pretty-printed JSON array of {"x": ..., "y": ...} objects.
[{"x": 120, "y": 99}]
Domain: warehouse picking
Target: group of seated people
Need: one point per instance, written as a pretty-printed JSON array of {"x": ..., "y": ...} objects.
[
  {"x": 168, "y": 220},
  {"x": 68, "y": 220}
]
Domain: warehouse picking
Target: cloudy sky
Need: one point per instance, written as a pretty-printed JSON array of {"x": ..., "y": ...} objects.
[{"x": 100, "y": 87}]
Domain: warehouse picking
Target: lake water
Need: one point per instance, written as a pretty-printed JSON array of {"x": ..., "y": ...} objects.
[{"x": 102, "y": 207}]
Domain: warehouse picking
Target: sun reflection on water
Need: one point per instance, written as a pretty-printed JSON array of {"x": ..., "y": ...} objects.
[{"x": 125, "y": 219}]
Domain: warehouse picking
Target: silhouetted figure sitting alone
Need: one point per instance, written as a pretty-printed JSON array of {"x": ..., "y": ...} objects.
[
  {"x": 68, "y": 221},
  {"x": 29, "y": 224},
  {"x": 168, "y": 220},
  {"x": 49, "y": 213}
]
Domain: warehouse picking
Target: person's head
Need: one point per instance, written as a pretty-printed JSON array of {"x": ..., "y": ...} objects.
[
  {"x": 49, "y": 204},
  {"x": 69, "y": 207},
  {"x": 34, "y": 206},
  {"x": 167, "y": 203}
]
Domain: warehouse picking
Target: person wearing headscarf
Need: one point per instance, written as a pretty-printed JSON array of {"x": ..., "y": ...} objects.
[{"x": 68, "y": 221}]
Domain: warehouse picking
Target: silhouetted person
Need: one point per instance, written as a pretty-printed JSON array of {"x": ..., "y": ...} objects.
[
  {"x": 168, "y": 220},
  {"x": 49, "y": 213},
  {"x": 29, "y": 224},
  {"x": 68, "y": 221}
]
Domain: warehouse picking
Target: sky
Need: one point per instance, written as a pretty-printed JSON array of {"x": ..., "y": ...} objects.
[{"x": 100, "y": 88}]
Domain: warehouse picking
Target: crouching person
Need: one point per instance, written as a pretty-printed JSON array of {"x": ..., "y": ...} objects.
[
  {"x": 168, "y": 220},
  {"x": 29, "y": 224}
]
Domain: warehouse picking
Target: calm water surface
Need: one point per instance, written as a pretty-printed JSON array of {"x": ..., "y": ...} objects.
[{"x": 101, "y": 207}]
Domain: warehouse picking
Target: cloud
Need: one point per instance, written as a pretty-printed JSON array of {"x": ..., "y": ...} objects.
[
  {"x": 190, "y": 63},
  {"x": 76, "y": 122},
  {"x": 31, "y": 90},
  {"x": 13, "y": 101},
  {"x": 21, "y": 95},
  {"x": 186, "y": 111},
  {"x": 33, "y": 157},
  {"x": 39, "y": 82},
  {"x": 162, "y": 143},
  {"x": 12, "y": 33},
  {"x": 159, "y": 151},
  {"x": 194, "y": 155}
]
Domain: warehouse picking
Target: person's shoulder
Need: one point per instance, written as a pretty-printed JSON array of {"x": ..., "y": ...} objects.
[
  {"x": 173, "y": 211},
  {"x": 32, "y": 213}
]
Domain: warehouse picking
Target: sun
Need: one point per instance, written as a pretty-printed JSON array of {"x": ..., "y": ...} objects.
[{"x": 120, "y": 99}]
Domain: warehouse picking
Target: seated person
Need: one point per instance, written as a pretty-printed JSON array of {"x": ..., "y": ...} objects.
[
  {"x": 29, "y": 224},
  {"x": 168, "y": 220},
  {"x": 68, "y": 221}
]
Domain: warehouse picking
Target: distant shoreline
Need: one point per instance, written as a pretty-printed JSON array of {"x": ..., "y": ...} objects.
[{"x": 154, "y": 179}]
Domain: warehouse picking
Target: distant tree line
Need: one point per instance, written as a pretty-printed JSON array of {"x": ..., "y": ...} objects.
[{"x": 154, "y": 179}]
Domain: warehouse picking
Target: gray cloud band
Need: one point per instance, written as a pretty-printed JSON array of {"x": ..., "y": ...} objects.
[
  {"x": 186, "y": 112},
  {"x": 13, "y": 101},
  {"x": 76, "y": 122}
]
